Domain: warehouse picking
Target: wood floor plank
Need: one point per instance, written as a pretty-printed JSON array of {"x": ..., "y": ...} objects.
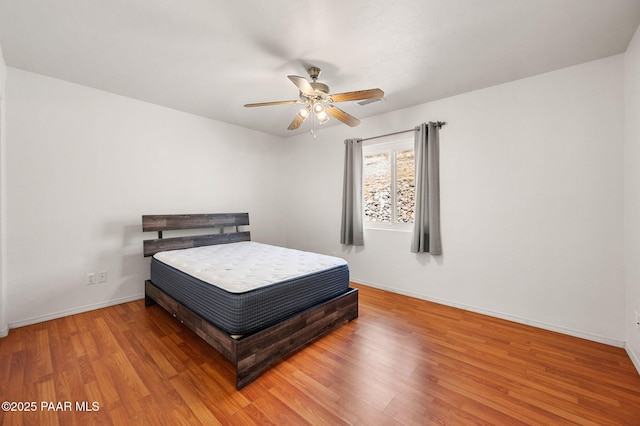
[
  {"x": 195, "y": 403},
  {"x": 404, "y": 361},
  {"x": 313, "y": 411},
  {"x": 178, "y": 410}
]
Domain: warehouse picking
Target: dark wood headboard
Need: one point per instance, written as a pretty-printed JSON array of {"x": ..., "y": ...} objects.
[{"x": 175, "y": 222}]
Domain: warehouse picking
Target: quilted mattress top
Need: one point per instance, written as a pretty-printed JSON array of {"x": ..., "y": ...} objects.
[{"x": 247, "y": 265}]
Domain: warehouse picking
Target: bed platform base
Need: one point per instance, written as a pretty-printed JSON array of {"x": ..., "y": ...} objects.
[{"x": 254, "y": 353}]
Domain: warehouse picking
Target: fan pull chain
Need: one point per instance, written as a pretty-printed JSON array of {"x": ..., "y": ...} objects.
[{"x": 313, "y": 126}]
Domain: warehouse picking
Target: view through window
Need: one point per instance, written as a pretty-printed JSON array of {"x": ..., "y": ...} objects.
[{"x": 389, "y": 184}]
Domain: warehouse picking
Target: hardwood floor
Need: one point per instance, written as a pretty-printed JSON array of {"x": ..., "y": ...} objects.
[{"x": 403, "y": 361}]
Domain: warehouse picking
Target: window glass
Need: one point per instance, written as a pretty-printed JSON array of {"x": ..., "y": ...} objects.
[
  {"x": 376, "y": 177},
  {"x": 405, "y": 186},
  {"x": 389, "y": 185}
]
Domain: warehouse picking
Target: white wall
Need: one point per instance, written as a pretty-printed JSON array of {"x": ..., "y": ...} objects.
[
  {"x": 86, "y": 164},
  {"x": 632, "y": 196},
  {"x": 4, "y": 327},
  {"x": 532, "y": 202},
  {"x": 532, "y": 196}
]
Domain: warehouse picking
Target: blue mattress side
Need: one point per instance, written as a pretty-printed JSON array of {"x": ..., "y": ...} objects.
[{"x": 244, "y": 313}]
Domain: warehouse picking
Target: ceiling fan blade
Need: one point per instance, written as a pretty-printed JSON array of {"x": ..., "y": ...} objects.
[
  {"x": 300, "y": 117},
  {"x": 346, "y": 118},
  {"x": 302, "y": 84},
  {"x": 297, "y": 121},
  {"x": 259, "y": 104},
  {"x": 357, "y": 95}
]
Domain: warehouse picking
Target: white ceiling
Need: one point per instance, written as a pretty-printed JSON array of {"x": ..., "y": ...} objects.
[{"x": 210, "y": 57}]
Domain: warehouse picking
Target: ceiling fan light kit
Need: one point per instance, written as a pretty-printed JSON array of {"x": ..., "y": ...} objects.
[
  {"x": 321, "y": 113},
  {"x": 316, "y": 97}
]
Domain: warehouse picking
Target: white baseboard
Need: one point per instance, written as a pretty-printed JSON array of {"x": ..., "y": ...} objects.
[
  {"x": 533, "y": 323},
  {"x": 4, "y": 332},
  {"x": 79, "y": 310},
  {"x": 635, "y": 358}
]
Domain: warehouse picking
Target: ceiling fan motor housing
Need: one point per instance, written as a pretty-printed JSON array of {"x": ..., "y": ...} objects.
[
  {"x": 314, "y": 72},
  {"x": 320, "y": 87}
]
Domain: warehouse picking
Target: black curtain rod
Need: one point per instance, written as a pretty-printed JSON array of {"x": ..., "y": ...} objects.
[{"x": 437, "y": 123}]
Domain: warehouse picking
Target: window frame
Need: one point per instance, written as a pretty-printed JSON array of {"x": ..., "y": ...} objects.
[{"x": 391, "y": 147}]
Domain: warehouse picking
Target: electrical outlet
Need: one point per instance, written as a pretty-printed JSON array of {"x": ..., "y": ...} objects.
[
  {"x": 91, "y": 278},
  {"x": 102, "y": 276}
]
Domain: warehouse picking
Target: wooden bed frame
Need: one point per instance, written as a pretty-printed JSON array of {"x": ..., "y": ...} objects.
[{"x": 251, "y": 354}]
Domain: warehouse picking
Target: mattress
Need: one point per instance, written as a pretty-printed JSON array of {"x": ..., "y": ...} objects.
[{"x": 247, "y": 286}]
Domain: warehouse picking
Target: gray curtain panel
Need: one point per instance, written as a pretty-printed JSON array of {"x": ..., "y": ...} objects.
[
  {"x": 352, "y": 226},
  {"x": 426, "y": 226}
]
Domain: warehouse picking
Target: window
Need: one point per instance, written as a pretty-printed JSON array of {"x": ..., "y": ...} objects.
[{"x": 388, "y": 178}]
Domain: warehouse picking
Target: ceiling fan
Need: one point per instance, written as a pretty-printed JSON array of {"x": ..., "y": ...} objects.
[{"x": 316, "y": 98}]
